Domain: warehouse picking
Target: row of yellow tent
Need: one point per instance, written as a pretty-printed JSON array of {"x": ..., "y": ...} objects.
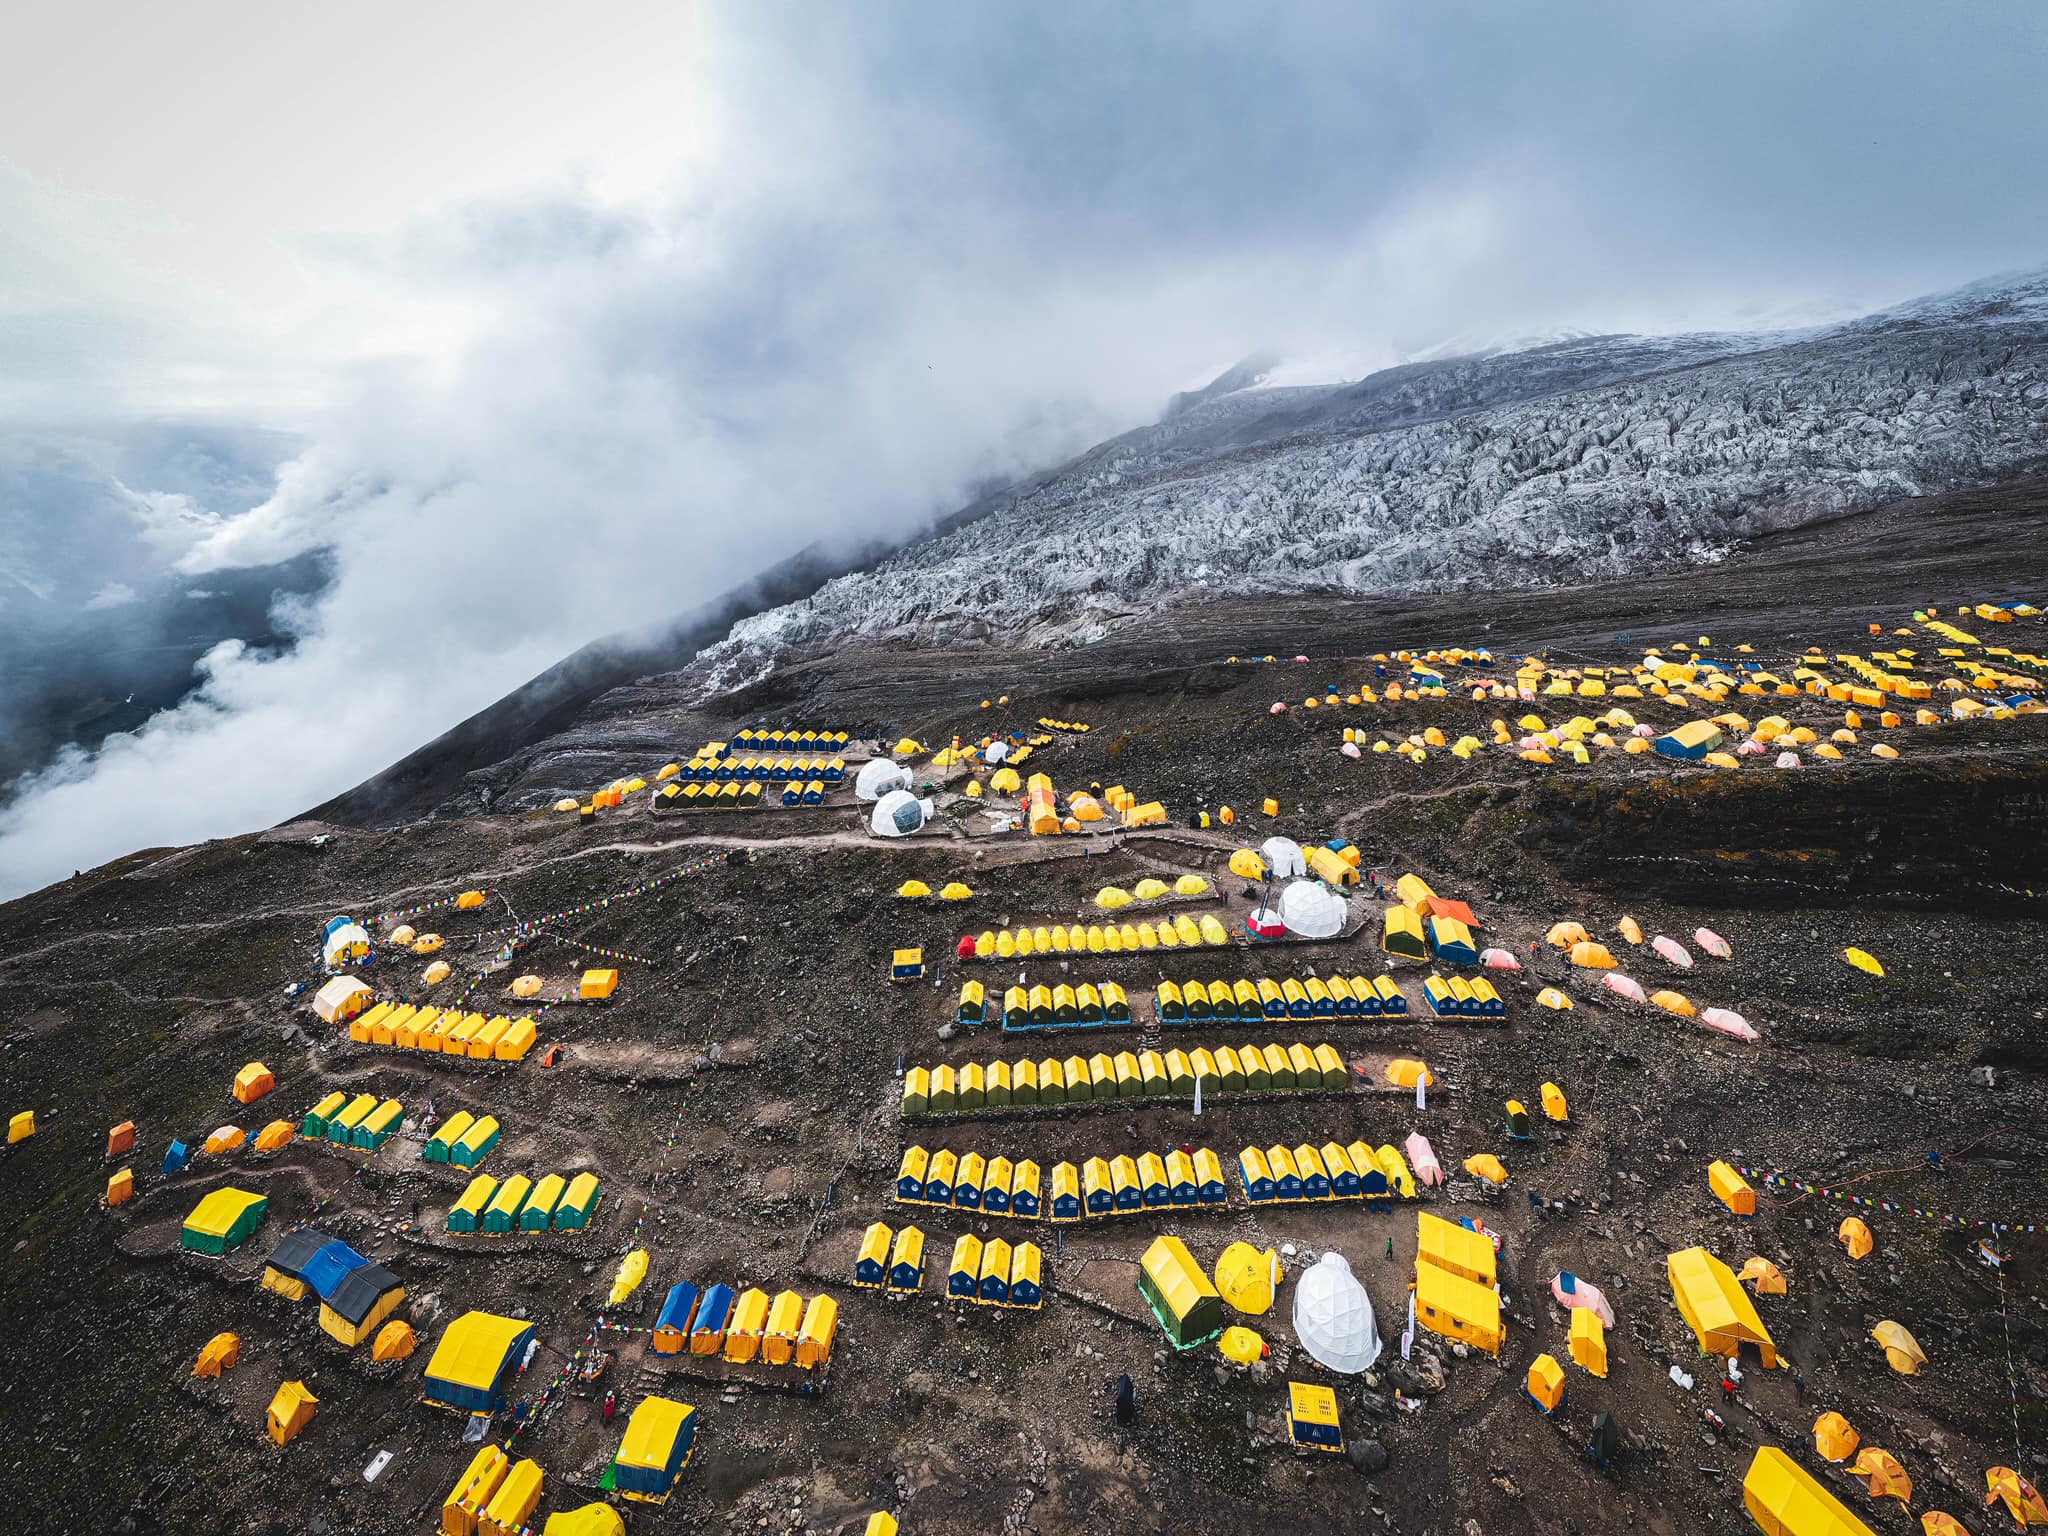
[
  {"x": 1099, "y": 1186},
  {"x": 1180, "y": 931},
  {"x": 917, "y": 890},
  {"x": 1151, "y": 888},
  {"x": 1296, "y": 1068},
  {"x": 449, "y": 1031}
]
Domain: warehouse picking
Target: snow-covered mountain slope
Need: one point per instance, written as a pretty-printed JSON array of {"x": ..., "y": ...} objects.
[{"x": 1592, "y": 458}]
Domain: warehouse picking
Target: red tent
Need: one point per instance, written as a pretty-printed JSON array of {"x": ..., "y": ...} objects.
[
  {"x": 1455, "y": 910},
  {"x": 965, "y": 948}
]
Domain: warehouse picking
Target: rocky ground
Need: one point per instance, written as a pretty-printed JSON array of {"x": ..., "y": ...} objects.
[{"x": 749, "y": 1068}]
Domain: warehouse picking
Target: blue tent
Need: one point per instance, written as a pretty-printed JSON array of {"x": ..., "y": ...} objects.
[
  {"x": 333, "y": 923},
  {"x": 176, "y": 1159},
  {"x": 677, "y": 1309},
  {"x": 324, "y": 1270},
  {"x": 714, "y": 1311}
]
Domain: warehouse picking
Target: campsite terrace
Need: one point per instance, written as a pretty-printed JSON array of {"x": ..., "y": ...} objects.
[{"x": 730, "y": 1180}]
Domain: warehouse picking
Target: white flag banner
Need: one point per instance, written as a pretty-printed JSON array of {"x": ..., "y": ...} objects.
[
  {"x": 1421, "y": 1094},
  {"x": 1198, "y": 1094}
]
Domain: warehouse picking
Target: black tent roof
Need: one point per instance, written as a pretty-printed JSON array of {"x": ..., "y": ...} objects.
[
  {"x": 359, "y": 1291},
  {"x": 295, "y": 1249}
]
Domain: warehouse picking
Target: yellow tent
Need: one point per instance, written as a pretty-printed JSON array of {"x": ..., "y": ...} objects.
[
  {"x": 290, "y": 1412},
  {"x": 1241, "y": 1345},
  {"x": 1591, "y": 956},
  {"x": 1545, "y": 1383},
  {"x": 955, "y": 891},
  {"x": 1935, "y": 1523},
  {"x": 1863, "y": 960},
  {"x": 220, "y": 1354},
  {"x": 1589, "y": 1341},
  {"x": 1834, "y": 1437},
  {"x": 1674, "y": 1002},
  {"x": 1565, "y": 935},
  {"x": 1406, "y": 1072},
  {"x": 1887, "y": 1479},
  {"x": 590, "y": 1520},
  {"x": 910, "y": 890},
  {"x": 1553, "y": 1102},
  {"x": 1901, "y": 1349},
  {"x": 1630, "y": 929},
  {"x": 1190, "y": 885},
  {"x": 1855, "y": 1237},
  {"x": 436, "y": 973},
  {"x": 1732, "y": 1190},
  {"x": 1784, "y": 1499},
  {"x": 1244, "y": 1278},
  {"x": 1110, "y": 897},
  {"x": 1716, "y": 1308},
  {"x": 632, "y": 1270},
  {"x": 1550, "y": 997},
  {"x": 525, "y": 986},
  {"x": 1484, "y": 1165},
  {"x": 1150, "y": 888},
  {"x": 1248, "y": 864}
]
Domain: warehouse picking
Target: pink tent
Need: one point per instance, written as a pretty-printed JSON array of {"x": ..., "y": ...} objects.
[
  {"x": 1673, "y": 951},
  {"x": 1499, "y": 960},
  {"x": 1750, "y": 748},
  {"x": 1570, "y": 1291},
  {"x": 1279, "y": 707},
  {"x": 1614, "y": 981},
  {"x": 1712, "y": 943},
  {"x": 1728, "y": 1022},
  {"x": 1422, "y": 1158},
  {"x": 1349, "y": 749},
  {"x": 1644, "y": 731}
]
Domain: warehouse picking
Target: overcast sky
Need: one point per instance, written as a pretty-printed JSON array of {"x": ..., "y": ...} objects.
[{"x": 530, "y": 291}]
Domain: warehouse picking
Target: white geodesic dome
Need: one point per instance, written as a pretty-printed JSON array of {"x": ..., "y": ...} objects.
[
  {"x": 899, "y": 813},
  {"x": 1313, "y": 910},
  {"x": 877, "y": 777},
  {"x": 1333, "y": 1317}
]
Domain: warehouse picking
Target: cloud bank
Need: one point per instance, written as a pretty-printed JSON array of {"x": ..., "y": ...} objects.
[{"x": 818, "y": 275}]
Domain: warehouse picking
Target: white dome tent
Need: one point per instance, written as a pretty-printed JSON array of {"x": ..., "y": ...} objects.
[
  {"x": 1312, "y": 910},
  {"x": 878, "y": 777},
  {"x": 899, "y": 813},
  {"x": 1333, "y": 1317},
  {"x": 998, "y": 752},
  {"x": 1283, "y": 857}
]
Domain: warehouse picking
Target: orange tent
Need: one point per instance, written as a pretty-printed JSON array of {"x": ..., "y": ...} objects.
[
  {"x": 1887, "y": 1479},
  {"x": 252, "y": 1082},
  {"x": 2022, "y": 1501},
  {"x": 121, "y": 1138},
  {"x": 1834, "y": 1437},
  {"x": 220, "y": 1354}
]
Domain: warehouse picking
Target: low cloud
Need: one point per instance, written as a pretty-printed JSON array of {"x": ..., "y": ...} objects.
[
  {"x": 114, "y": 594},
  {"x": 910, "y": 250}
]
